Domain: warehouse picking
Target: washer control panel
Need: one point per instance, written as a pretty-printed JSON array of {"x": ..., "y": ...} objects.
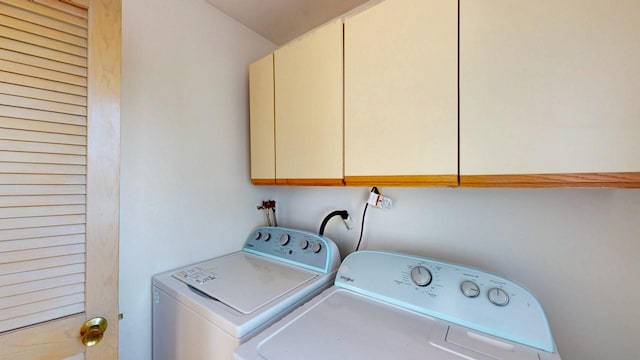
[
  {"x": 293, "y": 246},
  {"x": 455, "y": 293}
]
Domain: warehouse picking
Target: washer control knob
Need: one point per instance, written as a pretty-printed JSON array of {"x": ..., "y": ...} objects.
[
  {"x": 469, "y": 289},
  {"x": 258, "y": 235},
  {"x": 498, "y": 297},
  {"x": 316, "y": 247},
  {"x": 284, "y": 239},
  {"x": 267, "y": 236},
  {"x": 303, "y": 244},
  {"x": 421, "y": 276}
]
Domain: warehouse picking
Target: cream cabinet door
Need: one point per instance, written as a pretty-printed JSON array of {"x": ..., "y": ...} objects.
[
  {"x": 262, "y": 122},
  {"x": 59, "y": 176},
  {"x": 549, "y": 93},
  {"x": 308, "y": 108},
  {"x": 401, "y": 95}
]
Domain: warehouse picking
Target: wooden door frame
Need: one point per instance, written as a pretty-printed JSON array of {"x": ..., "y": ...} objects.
[
  {"x": 60, "y": 338},
  {"x": 103, "y": 170}
]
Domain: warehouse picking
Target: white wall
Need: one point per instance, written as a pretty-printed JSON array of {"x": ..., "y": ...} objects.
[
  {"x": 185, "y": 194},
  {"x": 185, "y": 172},
  {"x": 578, "y": 250}
]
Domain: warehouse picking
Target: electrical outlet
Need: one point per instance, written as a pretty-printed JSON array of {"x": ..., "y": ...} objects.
[
  {"x": 379, "y": 201},
  {"x": 385, "y": 202}
]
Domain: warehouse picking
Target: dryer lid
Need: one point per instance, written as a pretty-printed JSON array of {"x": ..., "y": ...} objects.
[
  {"x": 344, "y": 325},
  {"x": 243, "y": 281}
]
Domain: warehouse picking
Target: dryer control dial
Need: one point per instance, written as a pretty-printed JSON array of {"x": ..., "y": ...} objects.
[
  {"x": 498, "y": 297},
  {"x": 284, "y": 239},
  {"x": 421, "y": 276},
  {"x": 303, "y": 244},
  {"x": 469, "y": 289},
  {"x": 316, "y": 247}
]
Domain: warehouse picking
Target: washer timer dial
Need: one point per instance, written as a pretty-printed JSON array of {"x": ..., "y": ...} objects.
[
  {"x": 421, "y": 276},
  {"x": 469, "y": 289},
  {"x": 498, "y": 297}
]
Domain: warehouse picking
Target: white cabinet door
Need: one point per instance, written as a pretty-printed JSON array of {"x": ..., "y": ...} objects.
[
  {"x": 549, "y": 93},
  {"x": 401, "y": 109},
  {"x": 261, "y": 110},
  {"x": 308, "y": 109}
]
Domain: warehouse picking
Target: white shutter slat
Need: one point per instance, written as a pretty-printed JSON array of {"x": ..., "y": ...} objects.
[
  {"x": 65, "y": 7},
  {"x": 30, "y": 281},
  {"x": 30, "y": 114},
  {"x": 40, "y": 94},
  {"x": 34, "y": 254},
  {"x": 42, "y": 31},
  {"x": 17, "y": 234},
  {"x": 41, "y": 63},
  {"x": 6, "y": 246},
  {"x": 48, "y": 12},
  {"x": 38, "y": 179},
  {"x": 16, "y": 190},
  {"x": 42, "y": 158},
  {"x": 31, "y": 297},
  {"x": 33, "y": 308},
  {"x": 39, "y": 264},
  {"x": 83, "y": 4},
  {"x": 42, "y": 126},
  {"x": 38, "y": 211},
  {"x": 41, "y": 41},
  {"x": 38, "y": 19},
  {"x": 44, "y": 84},
  {"x": 35, "y": 50},
  {"x": 29, "y": 168},
  {"x": 42, "y": 200},
  {"x": 42, "y": 105},
  {"x": 36, "y": 136},
  {"x": 51, "y": 314},
  {"x": 40, "y": 73},
  {"x": 15, "y": 67},
  {"x": 12, "y": 145},
  {"x": 39, "y": 221}
]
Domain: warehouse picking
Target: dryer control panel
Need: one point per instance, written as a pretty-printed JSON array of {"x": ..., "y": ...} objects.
[
  {"x": 297, "y": 247},
  {"x": 455, "y": 293}
]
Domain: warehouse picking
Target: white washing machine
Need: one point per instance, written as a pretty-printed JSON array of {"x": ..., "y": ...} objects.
[
  {"x": 204, "y": 311},
  {"x": 396, "y": 306}
]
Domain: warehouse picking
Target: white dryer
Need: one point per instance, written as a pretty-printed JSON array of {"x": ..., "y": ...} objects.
[
  {"x": 204, "y": 311},
  {"x": 395, "y": 306}
]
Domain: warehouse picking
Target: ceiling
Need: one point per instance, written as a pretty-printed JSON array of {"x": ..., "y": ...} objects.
[{"x": 282, "y": 20}]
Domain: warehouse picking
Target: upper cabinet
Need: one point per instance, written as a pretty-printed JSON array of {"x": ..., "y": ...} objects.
[
  {"x": 309, "y": 109},
  {"x": 401, "y": 94},
  {"x": 549, "y": 93},
  {"x": 261, "y": 113},
  {"x": 493, "y": 93}
]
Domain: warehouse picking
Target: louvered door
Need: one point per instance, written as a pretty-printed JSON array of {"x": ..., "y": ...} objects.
[{"x": 59, "y": 140}]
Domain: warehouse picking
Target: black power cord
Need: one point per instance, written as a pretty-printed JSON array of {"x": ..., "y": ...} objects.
[
  {"x": 343, "y": 214},
  {"x": 364, "y": 213}
]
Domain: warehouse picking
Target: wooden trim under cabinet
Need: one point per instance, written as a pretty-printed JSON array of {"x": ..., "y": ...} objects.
[
  {"x": 402, "y": 180},
  {"x": 263, "y": 181},
  {"x": 611, "y": 180},
  {"x": 310, "y": 182}
]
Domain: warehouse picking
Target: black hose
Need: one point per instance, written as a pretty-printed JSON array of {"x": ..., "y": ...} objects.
[{"x": 343, "y": 214}]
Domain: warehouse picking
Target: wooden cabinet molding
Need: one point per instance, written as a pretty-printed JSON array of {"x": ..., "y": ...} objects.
[{"x": 612, "y": 180}]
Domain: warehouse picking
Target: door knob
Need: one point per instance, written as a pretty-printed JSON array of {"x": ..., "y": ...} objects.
[{"x": 93, "y": 330}]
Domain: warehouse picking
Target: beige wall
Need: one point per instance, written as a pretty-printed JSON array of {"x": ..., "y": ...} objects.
[
  {"x": 186, "y": 194},
  {"x": 577, "y": 250}
]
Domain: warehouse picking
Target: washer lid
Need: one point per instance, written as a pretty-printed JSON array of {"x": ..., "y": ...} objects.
[
  {"x": 243, "y": 281},
  {"x": 344, "y": 325}
]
